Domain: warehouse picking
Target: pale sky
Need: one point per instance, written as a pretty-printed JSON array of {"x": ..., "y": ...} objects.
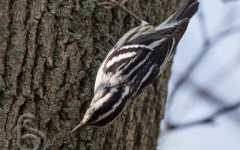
[{"x": 219, "y": 72}]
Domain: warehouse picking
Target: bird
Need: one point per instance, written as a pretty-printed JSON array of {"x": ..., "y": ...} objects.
[{"x": 133, "y": 63}]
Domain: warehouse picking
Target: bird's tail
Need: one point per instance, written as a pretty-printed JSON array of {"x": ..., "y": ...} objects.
[
  {"x": 186, "y": 11},
  {"x": 189, "y": 8}
]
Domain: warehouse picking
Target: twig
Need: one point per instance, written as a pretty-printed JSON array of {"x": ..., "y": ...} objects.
[
  {"x": 205, "y": 120},
  {"x": 225, "y": 1}
]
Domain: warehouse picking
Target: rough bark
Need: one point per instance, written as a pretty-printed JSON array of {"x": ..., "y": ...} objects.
[{"x": 50, "y": 52}]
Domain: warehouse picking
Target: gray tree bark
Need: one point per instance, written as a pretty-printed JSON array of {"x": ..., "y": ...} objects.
[{"x": 50, "y": 52}]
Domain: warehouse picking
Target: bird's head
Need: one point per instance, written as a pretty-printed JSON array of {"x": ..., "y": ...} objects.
[{"x": 105, "y": 106}]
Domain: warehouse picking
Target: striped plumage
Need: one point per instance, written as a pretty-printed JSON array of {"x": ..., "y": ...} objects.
[{"x": 132, "y": 65}]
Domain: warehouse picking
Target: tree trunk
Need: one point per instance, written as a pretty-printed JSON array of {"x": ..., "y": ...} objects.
[{"x": 50, "y": 52}]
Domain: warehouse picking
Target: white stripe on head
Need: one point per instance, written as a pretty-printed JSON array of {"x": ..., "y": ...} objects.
[
  {"x": 102, "y": 100},
  {"x": 124, "y": 94},
  {"x": 126, "y": 91}
]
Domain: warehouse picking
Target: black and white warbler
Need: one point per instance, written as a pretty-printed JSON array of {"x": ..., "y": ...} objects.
[{"x": 133, "y": 63}]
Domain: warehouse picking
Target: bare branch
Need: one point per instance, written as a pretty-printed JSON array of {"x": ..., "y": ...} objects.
[
  {"x": 205, "y": 120},
  {"x": 203, "y": 52},
  {"x": 225, "y": 1}
]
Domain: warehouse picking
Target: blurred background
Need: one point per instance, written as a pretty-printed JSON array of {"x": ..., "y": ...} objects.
[{"x": 203, "y": 108}]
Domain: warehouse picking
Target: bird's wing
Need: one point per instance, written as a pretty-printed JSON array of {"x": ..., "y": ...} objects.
[
  {"x": 159, "y": 44},
  {"x": 162, "y": 42},
  {"x": 127, "y": 58}
]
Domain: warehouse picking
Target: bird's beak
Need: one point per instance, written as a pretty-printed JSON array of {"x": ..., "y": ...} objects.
[{"x": 81, "y": 125}]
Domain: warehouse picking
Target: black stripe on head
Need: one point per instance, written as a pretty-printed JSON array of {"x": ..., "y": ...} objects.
[
  {"x": 113, "y": 115},
  {"x": 107, "y": 106}
]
